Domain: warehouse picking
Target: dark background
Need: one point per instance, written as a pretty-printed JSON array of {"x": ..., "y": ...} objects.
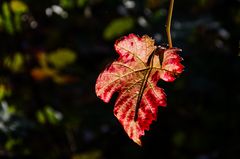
[{"x": 51, "y": 53}]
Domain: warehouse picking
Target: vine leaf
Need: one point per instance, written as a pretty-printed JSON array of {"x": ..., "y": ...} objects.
[{"x": 134, "y": 75}]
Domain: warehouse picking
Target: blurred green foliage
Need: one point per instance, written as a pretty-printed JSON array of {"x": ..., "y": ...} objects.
[
  {"x": 11, "y": 15},
  {"x": 7, "y": 18},
  {"x": 48, "y": 114},
  {"x": 15, "y": 63},
  {"x": 18, "y": 6},
  {"x": 118, "y": 27},
  {"x": 72, "y": 3},
  {"x": 61, "y": 58},
  {"x": 51, "y": 52}
]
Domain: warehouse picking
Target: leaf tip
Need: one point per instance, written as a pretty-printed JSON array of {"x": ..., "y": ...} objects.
[{"x": 138, "y": 141}]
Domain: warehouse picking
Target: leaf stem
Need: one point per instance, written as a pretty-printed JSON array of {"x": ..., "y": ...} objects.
[{"x": 168, "y": 24}]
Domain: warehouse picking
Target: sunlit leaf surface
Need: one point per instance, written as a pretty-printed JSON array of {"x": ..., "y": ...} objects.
[{"x": 134, "y": 75}]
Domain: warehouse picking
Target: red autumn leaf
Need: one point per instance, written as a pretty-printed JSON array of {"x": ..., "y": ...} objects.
[{"x": 134, "y": 75}]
